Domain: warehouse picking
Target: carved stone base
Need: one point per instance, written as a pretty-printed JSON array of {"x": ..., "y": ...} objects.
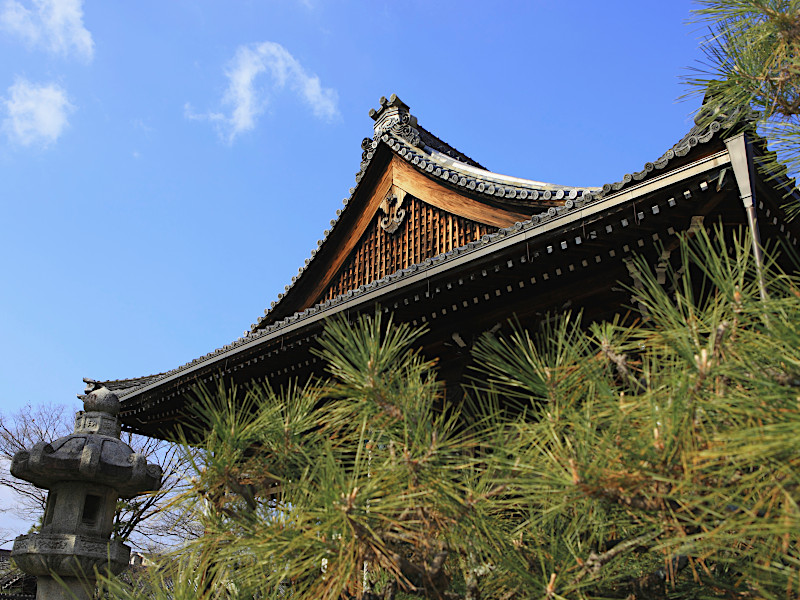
[{"x": 68, "y": 555}]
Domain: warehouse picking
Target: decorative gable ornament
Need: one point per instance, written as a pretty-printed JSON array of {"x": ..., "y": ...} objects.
[
  {"x": 393, "y": 117},
  {"x": 392, "y": 207}
]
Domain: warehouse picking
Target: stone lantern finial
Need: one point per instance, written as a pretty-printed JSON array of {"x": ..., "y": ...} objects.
[{"x": 84, "y": 473}]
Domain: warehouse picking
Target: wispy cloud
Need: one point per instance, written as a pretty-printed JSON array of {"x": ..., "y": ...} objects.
[
  {"x": 35, "y": 114},
  {"x": 246, "y": 102},
  {"x": 56, "y": 25}
]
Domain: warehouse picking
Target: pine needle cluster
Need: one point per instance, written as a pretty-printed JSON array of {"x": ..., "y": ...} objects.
[{"x": 752, "y": 71}]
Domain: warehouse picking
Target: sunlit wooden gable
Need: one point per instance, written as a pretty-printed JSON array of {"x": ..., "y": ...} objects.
[{"x": 416, "y": 198}]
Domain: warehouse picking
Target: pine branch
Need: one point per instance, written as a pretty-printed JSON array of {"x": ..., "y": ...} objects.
[{"x": 595, "y": 562}]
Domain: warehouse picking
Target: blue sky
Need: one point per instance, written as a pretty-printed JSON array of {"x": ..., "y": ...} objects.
[{"x": 166, "y": 167}]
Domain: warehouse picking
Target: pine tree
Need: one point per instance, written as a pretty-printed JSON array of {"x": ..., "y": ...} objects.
[{"x": 648, "y": 460}]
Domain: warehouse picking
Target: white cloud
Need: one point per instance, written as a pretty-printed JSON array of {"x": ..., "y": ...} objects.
[
  {"x": 36, "y": 115},
  {"x": 246, "y": 101},
  {"x": 55, "y": 24}
]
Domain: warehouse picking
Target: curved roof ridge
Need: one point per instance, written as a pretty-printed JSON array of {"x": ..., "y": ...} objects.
[
  {"x": 397, "y": 128},
  {"x": 698, "y": 134}
]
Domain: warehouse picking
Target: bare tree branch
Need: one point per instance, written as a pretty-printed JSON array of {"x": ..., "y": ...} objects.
[{"x": 145, "y": 521}]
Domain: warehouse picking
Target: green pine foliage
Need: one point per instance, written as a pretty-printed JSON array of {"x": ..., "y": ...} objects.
[
  {"x": 752, "y": 70},
  {"x": 664, "y": 456},
  {"x": 653, "y": 459}
]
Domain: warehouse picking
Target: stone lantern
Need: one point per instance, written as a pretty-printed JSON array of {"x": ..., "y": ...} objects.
[{"x": 84, "y": 474}]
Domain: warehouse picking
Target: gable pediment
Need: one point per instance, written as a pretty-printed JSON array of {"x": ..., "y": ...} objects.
[
  {"x": 401, "y": 219},
  {"x": 405, "y": 230},
  {"x": 416, "y": 197}
]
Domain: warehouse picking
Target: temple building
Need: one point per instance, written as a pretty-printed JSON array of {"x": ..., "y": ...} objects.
[{"x": 433, "y": 237}]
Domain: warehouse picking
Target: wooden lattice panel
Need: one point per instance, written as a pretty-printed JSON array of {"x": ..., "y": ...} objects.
[{"x": 425, "y": 232}]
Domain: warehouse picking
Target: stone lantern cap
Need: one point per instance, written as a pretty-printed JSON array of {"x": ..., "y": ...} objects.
[{"x": 93, "y": 453}]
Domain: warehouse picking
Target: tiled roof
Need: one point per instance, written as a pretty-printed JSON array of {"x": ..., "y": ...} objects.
[
  {"x": 123, "y": 385},
  {"x": 437, "y": 144},
  {"x": 398, "y": 129},
  {"x": 699, "y": 134},
  {"x": 402, "y": 141}
]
